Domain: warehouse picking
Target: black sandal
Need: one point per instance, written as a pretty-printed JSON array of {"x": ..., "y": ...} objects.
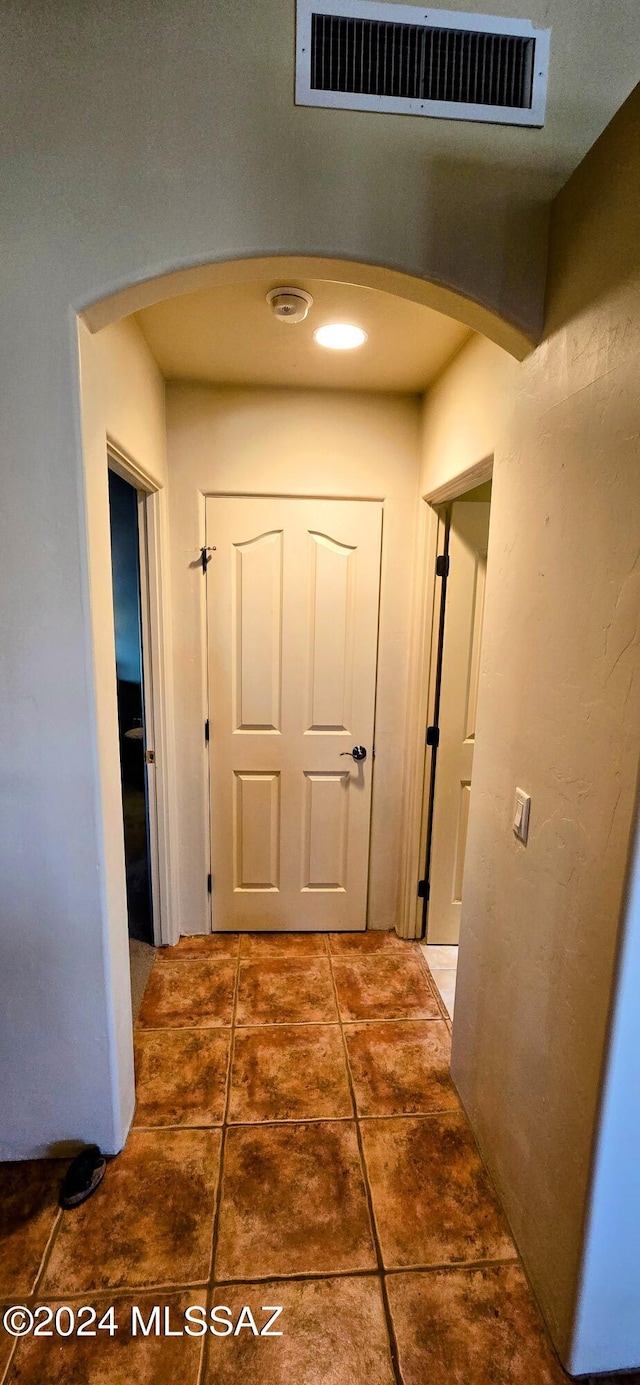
[{"x": 82, "y": 1178}]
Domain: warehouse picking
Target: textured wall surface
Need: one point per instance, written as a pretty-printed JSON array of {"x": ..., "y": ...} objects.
[
  {"x": 144, "y": 137},
  {"x": 559, "y": 716}
]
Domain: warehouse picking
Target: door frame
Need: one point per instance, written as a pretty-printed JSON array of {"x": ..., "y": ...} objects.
[
  {"x": 157, "y": 691},
  {"x": 227, "y": 494},
  {"x": 422, "y": 686}
]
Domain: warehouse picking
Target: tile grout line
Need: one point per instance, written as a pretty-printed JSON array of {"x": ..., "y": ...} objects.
[
  {"x": 391, "y": 1335},
  {"x": 289, "y": 1024},
  {"x": 232, "y": 1044},
  {"x": 48, "y": 1252},
  {"x": 44, "y": 1264},
  {"x": 204, "y": 1358},
  {"x": 444, "y": 1013},
  {"x": 306, "y": 1120},
  {"x": 211, "y": 960},
  {"x": 112, "y": 1291},
  {"x": 178, "y": 1028},
  {"x": 198, "y": 957},
  {"x": 122, "y": 1292},
  {"x": 301, "y": 1276}
]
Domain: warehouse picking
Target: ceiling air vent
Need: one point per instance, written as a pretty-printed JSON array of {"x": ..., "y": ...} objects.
[{"x": 359, "y": 55}]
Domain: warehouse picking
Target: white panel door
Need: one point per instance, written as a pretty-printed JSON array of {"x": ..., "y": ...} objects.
[
  {"x": 468, "y": 540},
  {"x": 292, "y": 620}
]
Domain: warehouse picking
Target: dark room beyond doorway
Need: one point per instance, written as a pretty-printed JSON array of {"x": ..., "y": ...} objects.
[{"x": 123, "y": 507}]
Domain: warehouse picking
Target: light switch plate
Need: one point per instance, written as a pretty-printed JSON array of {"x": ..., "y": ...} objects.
[{"x": 521, "y": 815}]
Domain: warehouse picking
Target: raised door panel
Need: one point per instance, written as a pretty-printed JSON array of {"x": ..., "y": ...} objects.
[
  {"x": 331, "y": 633},
  {"x": 324, "y": 859},
  {"x": 256, "y": 830},
  {"x": 257, "y": 602}
]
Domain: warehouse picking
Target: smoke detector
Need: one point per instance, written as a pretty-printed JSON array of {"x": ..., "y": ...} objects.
[{"x": 289, "y": 305}]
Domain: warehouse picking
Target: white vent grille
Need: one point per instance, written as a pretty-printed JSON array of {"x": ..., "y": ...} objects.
[{"x": 361, "y": 55}]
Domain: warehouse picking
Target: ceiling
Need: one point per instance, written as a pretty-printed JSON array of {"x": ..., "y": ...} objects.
[{"x": 228, "y": 335}]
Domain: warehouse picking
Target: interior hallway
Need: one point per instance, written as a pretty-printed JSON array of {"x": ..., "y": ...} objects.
[{"x": 298, "y": 1142}]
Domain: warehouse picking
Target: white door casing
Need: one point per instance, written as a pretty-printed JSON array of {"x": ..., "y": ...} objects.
[
  {"x": 468, "y": 542},
  {"x": 292, "y": 620}
]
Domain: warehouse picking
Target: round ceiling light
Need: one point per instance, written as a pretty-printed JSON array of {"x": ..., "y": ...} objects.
[{"x": 340, "y": 336}]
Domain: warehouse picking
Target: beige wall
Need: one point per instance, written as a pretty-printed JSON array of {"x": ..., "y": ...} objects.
[
  {"x": 593, "y": 316},
  {"x": 132, "y": 391},
  {"x": 305, "y": 443},
  {"x": 122, "y": 401},
  {"x": 558, "y": 715},
  {"x": 67, "y": 1042},
  {"x": 159, "y": 136},
  {"x": 465, "y": 412}
]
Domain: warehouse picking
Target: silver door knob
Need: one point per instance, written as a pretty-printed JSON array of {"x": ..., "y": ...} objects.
[{"x": 359, "y": 752}]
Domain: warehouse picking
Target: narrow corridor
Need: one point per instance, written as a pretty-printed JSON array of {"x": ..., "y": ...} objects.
[{"x": 297, "y": 1143}]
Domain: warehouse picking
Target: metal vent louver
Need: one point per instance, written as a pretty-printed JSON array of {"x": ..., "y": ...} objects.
[{"x": 362, "y": 55}]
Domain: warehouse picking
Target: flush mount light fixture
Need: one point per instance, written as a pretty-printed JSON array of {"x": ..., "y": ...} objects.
[{"x": 340, "y": 336}]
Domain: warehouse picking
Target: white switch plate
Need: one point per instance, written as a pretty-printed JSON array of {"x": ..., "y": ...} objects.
[{"x": 521, "y": 815}]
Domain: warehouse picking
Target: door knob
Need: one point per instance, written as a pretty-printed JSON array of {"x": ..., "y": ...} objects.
[{"x": 358, "y": 753}]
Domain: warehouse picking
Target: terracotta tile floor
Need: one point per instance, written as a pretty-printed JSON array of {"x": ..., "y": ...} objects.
[{"x": 297, "y": 1143}]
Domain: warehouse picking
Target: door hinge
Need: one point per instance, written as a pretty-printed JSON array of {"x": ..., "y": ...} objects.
[
  {"x": 209, "y": 882},
  {"x": 433, "y": 736},
  {"x": 206, "y": 731},
  {"x": 423, "y": 889},
  {"x": 205, "y": 557},
  {"x": 442, "y": 565}
]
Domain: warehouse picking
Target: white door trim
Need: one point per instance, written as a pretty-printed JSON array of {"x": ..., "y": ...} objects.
[
  {"x": 421, "y": 689},
  {"x": 458, "y": 486},
  {"x": 158, "y": 691}
]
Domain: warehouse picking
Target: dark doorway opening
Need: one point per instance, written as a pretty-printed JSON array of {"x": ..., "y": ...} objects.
[{"x": 125, "y": 560}]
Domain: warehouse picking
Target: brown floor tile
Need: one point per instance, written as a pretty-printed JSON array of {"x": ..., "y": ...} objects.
[
  {"x": 384, "y": 988},
  {"x": 6, "y": 1346},
  {"x": 150, "y": 1222},
  {"x": 333, "y": 1333},
  {"x": 28, "y": 1209},
  {"x": 478, "y": 1327},
  {"x": 201, "y": 947},
  {"x": 289, "y": 1072},
  {"x": 371, "y": 941},
  {"x": 293, "y": 1202},
  {"x": 432, "y": 1199},
  {"x": 192, "y": 995},
  {"x": 285, "y": 991},
  {"x": 181, "y": 1076},
  {"x": 401, "y": 1069},
  {"x": 256, "y": 945},
  {"x": 117, "y": 1360}
]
